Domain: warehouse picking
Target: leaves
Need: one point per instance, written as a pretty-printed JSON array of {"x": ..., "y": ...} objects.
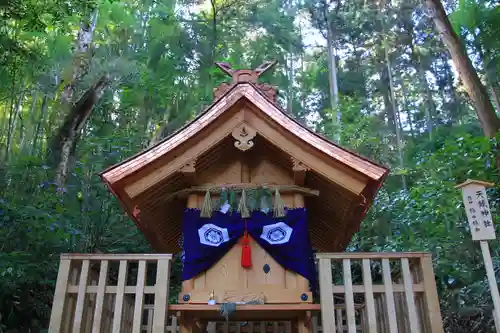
[{"x": 159, "y": 57}]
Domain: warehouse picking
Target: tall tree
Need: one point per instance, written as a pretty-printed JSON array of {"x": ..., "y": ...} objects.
[
  {"x": 326, "y": 19},
  {"x": 490, "y": 122}
]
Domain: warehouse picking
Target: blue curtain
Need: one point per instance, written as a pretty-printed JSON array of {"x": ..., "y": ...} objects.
[{"x": 286, "y": 239}]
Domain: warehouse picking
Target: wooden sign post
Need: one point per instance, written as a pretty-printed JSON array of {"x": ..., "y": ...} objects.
[{"x": 482, "y": 230}]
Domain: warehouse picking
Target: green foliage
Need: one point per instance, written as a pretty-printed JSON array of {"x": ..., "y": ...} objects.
[
  {"x": 38, "y": 223},
  {"x": 159, "y": 56},
  {"x": 478, "y": 23},
  {"x": 430, "y": 217}
]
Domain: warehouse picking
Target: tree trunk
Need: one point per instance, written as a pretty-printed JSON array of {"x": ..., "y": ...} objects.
[
  {"x": 496, "y": 98},
  {"x": 38, "y": 129},
  {"x": 397, "y": 121},
  {"x": 456, "y": 108},
  {"x": 83, "y": 42},
  {"x": 430, "y": 107},
  {"x": 32, "y": 120},
  {"x": 290, "y": 83},
  {"x": 14, "y": 115},
  {"x": 488, "y": 71},
  {"x": 63, "y": 146},
  {"x": 408, "y": 112},
  {"x": 384, "y": 90},
  {"x": 476, "y": 90},
  {"x": 333, "y": 83}
]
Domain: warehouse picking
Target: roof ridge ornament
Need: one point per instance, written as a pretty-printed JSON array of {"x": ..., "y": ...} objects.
[{"x": 247, "y": 76}]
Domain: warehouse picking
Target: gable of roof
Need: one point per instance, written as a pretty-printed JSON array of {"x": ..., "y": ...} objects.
[
  {"x": 348, "y": 182},
  {"x": 248, "y": 91}
]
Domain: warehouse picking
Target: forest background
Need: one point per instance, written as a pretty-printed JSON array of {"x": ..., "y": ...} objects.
[{"x": 85, "y": 84}]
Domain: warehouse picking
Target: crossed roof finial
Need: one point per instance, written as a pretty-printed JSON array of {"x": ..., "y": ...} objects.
[{"x": 245, "y": 75}]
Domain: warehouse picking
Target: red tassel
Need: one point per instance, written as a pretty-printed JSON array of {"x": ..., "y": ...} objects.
[{"x": 246, "y": 252}]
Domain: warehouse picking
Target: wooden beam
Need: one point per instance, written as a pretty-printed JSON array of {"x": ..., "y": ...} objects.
[
  {"x": 299, "y": 172},
  {"x": 188, "y": 170},
  {"x": 247, "y": 307},
  {"x": 333, "y": 171},
  {"x": 240, "y": 186},
  {"x": 172, "y": 164},
  {"x": 371, "y": 255},
  {"x": 116, "y": 256}
]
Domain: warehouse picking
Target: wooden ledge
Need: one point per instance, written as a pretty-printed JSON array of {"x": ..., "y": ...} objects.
[
  {"x": 247, "y": 307},
  {"x": 245, "y": 312},
  {"x": 216, "y": 189}
]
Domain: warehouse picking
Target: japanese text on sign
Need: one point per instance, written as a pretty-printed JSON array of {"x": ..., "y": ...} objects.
[{"x": 478, "y": 212}]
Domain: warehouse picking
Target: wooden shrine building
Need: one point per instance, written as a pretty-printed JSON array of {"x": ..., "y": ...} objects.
[{"x": 258, "y": 209}]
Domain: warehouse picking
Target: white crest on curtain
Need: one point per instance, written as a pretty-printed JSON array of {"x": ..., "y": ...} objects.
[
  {"x": 213, "y": 235},
  {"x": 278, "y": 233}
]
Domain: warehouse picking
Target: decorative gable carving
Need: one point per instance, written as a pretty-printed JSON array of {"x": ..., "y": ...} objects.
[{"x": 244, "y": 134}]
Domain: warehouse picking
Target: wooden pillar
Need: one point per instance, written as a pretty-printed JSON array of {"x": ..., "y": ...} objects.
[
  {"x": 431, "y": 298},
  {"x": 298, "y": 202},
  {"x": 371, "y": 318},
  {"x": 245, "y": 169},
  {"x": 190, "y": 324},
  {"x": 59, "y": 296},
  {"x": 185, "y": 322},
  {"x": 161, "y": 296},
  {"x": 120, "y": 295},
  {"x": 192, "y": 202},
  {"x": 99, "y": 303},
  {"x": 139, "y": 297},
  {"x": 304, "y": 322},
  {"x": 326, "y": 295},
  {"x": 211, "y": 327},
  {"x": 80, "y": 303},
  {"x": 410, "y": 298},
  {"x": 389, "y": 296}
]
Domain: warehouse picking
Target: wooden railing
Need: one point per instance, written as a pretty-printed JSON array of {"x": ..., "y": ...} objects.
[
  {"x": 394, "y": 292},
  {"x": 359, "y": 292},
  {"x": 106, "y": 293}
]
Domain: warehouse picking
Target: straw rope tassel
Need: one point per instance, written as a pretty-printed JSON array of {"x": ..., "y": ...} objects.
[
  {"x": 279, "y": 206},
  {"x": 206, "y": 210},
  {"x": 242, "y": 207}
]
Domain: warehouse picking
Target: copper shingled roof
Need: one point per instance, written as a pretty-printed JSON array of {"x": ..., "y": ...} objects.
[
  {"x": 246, "y": 90},
  {"x": 335, "y": 215}
]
